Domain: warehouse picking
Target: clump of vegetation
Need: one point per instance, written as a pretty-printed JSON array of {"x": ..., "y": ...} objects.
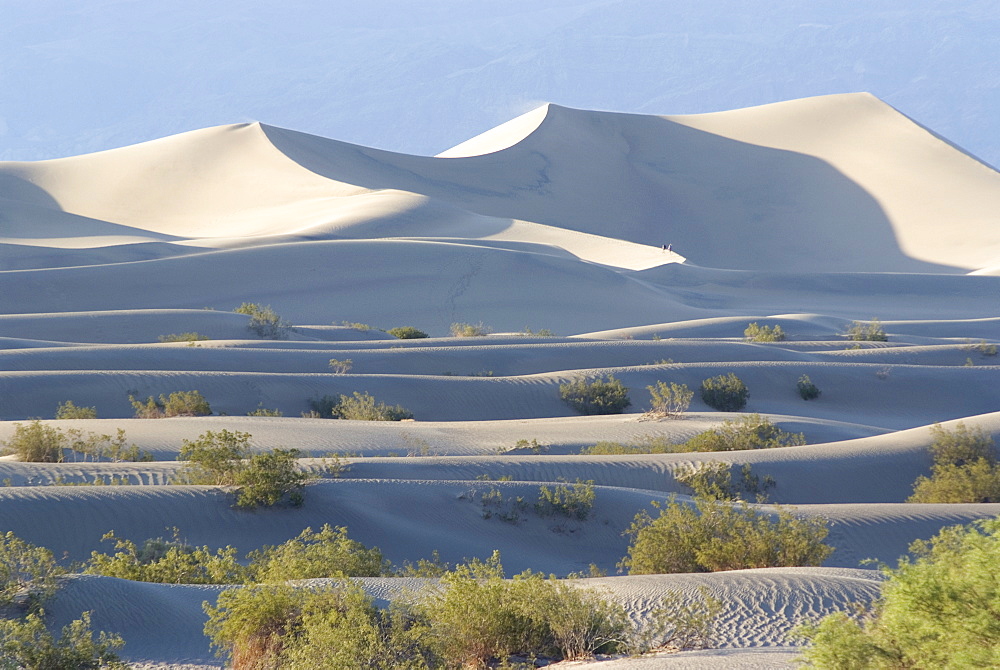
[
  {"x": 712, "y": 536},
  {"x": 264, "y": 321},
  {"x": 714, "y": 480},
  {"x": 669, "y": 401},
  {"x": 470, "y": 330},
  {"x": 225, "y": 459},
  {"x": 570, "y": 500},
  {"x": 263, "y": 411},
  {"x": 34, "y": 442},
  {"x": 326, "y": 553},
  {"x": 866, "y": 331},
  {"x": 341, "y": 367},
  {"x": 965, "y": 468},
  {"x": 354, "y": 325},
  {"x": 67, "y": 410},
  {"x": 357, "y": 407},
  {"x": 807, "y": 390},
  {"x": 178, "y": 403},
  {"x": 603, "y": 395},
  {"x": 28, "y": 574},
  {"x": 99, "y": 447},
  {"x": 28, "y": 643},
  {"x": 746, "y": 432},
  {"x": 983, "y": 348},
  {"x": 167, "y": 562},
  {"x": 183, "y": 337},
  {"x": 938, "y": 609},
  {"x": 544, "y": 332},
  {"x": 726, "y": 393},
  {"x": 757, "y": 333},
  {"x": 407, "y": 333}
]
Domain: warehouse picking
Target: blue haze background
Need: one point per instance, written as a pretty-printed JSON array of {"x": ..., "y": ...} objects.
[{"x": 419, "y": 77}]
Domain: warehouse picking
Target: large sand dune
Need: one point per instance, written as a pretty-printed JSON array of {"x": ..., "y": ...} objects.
[{"x": 808, "y": 214}]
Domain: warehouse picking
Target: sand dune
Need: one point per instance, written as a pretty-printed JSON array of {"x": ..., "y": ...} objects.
[{"x": 808, "y": 214}]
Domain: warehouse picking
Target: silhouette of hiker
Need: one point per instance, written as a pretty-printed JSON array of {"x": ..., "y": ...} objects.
[{"x": 669, "y": 247}]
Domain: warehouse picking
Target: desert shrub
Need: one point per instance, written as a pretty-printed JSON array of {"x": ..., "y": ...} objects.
[
  {"x": 470, "y": 330},
  {"x": 669, "y": 401},
  {"x": 99, "y": 447},
  {"x": 341, "y": 367},
  {"x": 270, "y": 477},
  {"x": 866, "y": 331},
  {"x": 679, "y": 624},
  {"x": 323, "y": 407},
  {"x": 183, "y": 337},
  {"x": 27, "y": 573},
  {"x": 214, "y": 458},
  {"x": 178, "y": 403},
  {"x": 607, "y": 448},
  {"x": 29, "y": 644},
  {"x": 167, "y": 562},
  {"x": 356, "y": 325},
  {"x": 362, "y": 407},
  {"x": 756, "y": 333},
  {"x": 598, "y": 396},
  {"x": 648, "y": 444},
  {"x": 746, "y": 432},
  {"x": 807, "y": 390},
  {"x": 264, "y": 321},
  {"x": 570, "y": 500},
  {"x": 326, "y": 553},
  {"x": 263, "y": 411},
  {"x": 34, "y": 442},
  {"x": 407, "y": 333},
  {"x": 251, "y": 627},
  {"x": 68, "y": 410},
  {"x": 711, "y": 536},
  {"x": 983, "y": 348},
  {"x": 544, "y": 332},
  {"x": 714, "y": 480},
  {"x": 965, "y": 468},
  {"x": 726, "y": 393},
  {"x": 938, "y": 609}
]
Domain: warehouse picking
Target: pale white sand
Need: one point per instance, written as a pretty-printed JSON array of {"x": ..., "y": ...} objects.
[{"x": 807, "y": 214}]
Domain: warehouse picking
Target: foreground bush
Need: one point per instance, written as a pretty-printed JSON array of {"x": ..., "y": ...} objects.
[
  {"x": 28, "y": 644},
  {"x": 35, "y": 442},
  {"x": 167, "y": 562},
  {"x": 965, "y": 468},
  {"x": 726, "y": 393},
  {"x": 27, "y": 573},
  {"x": 264, "y": 321},
  {"x": 669, "y": 401},
  {"x": 598, "y": 396},
  {"x": 178, "y": 403},
  {"x": 756, "y": 333},
  {"x": 326, "y": 553},
  {"x": 68, "y": 410},
  {"x": 938, "y": 609},
  {"x": 407, "y": 333},
  {"x": 712, "y": 536},
  {"x": 746, "y": 432}
]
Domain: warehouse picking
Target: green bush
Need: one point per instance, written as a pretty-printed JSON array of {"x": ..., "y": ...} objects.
[
  {"x": 965, "y": 468},
  {"x": 264, "y": 321},
  {"x": 756, "y": 333},
  {"x": 28, "y": 573},
  {"x": 262, "y": 411},
  {"x": 598, "y": 396},
  {"x": 167, "y": 562},
  {"x": 407, "y": 333},
  {"x": 711, "y": 536},
  {"x": 183, "y": 337},
  {"x": 714, "y": 480},
  {"x": 870, "y": 331},
  {"x": 670, "y": 401},
  {"x": 214, "y": 458},
  {"x": 28, "y": 644},
  {"x": 938, "y": 609},
  {"x": 470, "y": 330},
  {"x": 726, "y": 393},
  {"x": 807, "y": 390},
  {"x": 178, "y": 403},
  {"x": 570, "y": 500},
  {"x": 104, "y": 447},
  {"x": 35, "y": 442},
  {"x": 327, "y": 553},
  {"x": 341, "y": 367},
  {"x": 746, "y": 432},
  {"x": 362, "y": 407},
  {"x": 68, "y": 410}
]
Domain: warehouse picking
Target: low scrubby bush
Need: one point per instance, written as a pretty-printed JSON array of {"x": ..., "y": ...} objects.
[
  {"x": 264, "y": 321},
  {"x": 341, "y": 366},
  {"x": 714, "y": 480},
  {"x": 712, "y": 536},
  {"x": 263, "y": 411},
  {"x": 866, "y": 331},
  {"x": 328, "y": 552},
  {"x": 167, "y": 562},
  {"x": 178, "y": 403},
  {"x": 68, "y": 410},
  {"x": 183, "y": 337},
  {"x": 937, "y": 609},
  {"x": 669, "y": 400},
  {"x": 362, "y": 407},
  {"x": 965, "y": 468},
  {"x": 34, "y": 442},
  {"x": 746, "y": 432},
  {"x": 726, "y": 393},
  {"x": 407, "y": 333},
  {"x": 603, "y": 395},
  {"x": 27, "y": 643},
  {"x": 470, "y": 330},
  {"x": 28, "y": 573},
  {"x": 756, "y": 333},
  {"x": 807, "y": 390},
  {"x": 570, "y": 500}
]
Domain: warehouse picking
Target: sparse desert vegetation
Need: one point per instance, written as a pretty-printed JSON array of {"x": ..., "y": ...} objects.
[
  {"x": 726, "y": 393},
  {"x": 178, "y": 403},
  {"x": 601, "y": 395},
  {"x": 765, "y": 333}
]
